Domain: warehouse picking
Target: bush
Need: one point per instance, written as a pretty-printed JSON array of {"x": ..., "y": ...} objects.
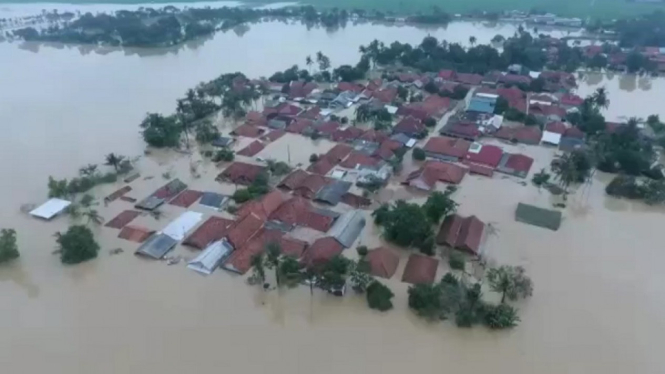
[
  {"x": 456, "y": 261},
  {"x": 541, "y": 178},
  {"x": 362, "y": 250},
  {"x": 77, "y": 245},
  {"x": 225, "y": 155},
  {"x": 242, "y": 195},
  {"x": 425, "y": 300},
  {"x": 501, "y": 316},
  {"x": 419, "y": 154},
  {"x": 313, "y": 158},
  {"x": 279, "y": 168},
  {"x": 8, "y": 247},
  {"x": 430, "y": 122},
  {"x": 379, "y": 296}
]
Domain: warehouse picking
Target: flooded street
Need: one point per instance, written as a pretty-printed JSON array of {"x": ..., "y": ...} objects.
[{"x": 598, "y": 297}]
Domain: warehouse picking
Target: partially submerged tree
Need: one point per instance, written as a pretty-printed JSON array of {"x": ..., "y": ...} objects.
[
  {"x": 440, "y": 204},
  {"x": 425, "y": 300},
  {"x": 405, "y": 224},
  {"x": 114, "y": 160},
  {"x": 419, "y": 154},
  {"x": 8, "y": 246},
  {"x": 500, "y": 316},
  {"x": 510, "y": 281},
  {"x": 258, "y": 270},
  {"x": 77, "y": 245},
  {"x": 541, "y": 178},
  {"x": 272, "y": 259},
  {"x": 93, "y": 216},
  {"x": 456, "y": 260},
  {"x": 379, "y": 296}
]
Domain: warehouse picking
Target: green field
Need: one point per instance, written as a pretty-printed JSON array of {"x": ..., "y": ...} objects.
[{"x": 606, "y": 9}]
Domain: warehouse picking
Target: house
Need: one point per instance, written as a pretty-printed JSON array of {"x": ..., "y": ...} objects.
[
  {"x": 461, "y": 233},
  {"x": 356, "y": 159},
  {"x": 312, "y": 113},
  {"x": 553, "y": 133},
  {"x": 569, "y": 101},
  {"x": 338, "y": 153},
  {"x": 348, "y": 86},
  {"x": 372, "y": 135},
  {"x": 431, "y": 172},
  {"x": 469, "y": 79},
  {"x": 414, "y": 110},
  {"x": 404, "y": 140},
  {"x": 322, "y": 251},
  {"x": 322, "y": 166},
  {"x": 326, "y": 129},
  {"x": 241, "y": 173},
  {"x": 420, "y": 269},
  {"x": 347, "y": 135},
  {"x": 293, "y": 180},
  {"x": 241, "y": 259},
  {"x": 299, "y": 89},
  {"x": 526, "y": 134},
  {"x": 411, "y": 127},
  {"x": 223, "y": 142},
  {"x": 248, "y": 131},
  {"x": 332, "y": 192},
  {"x": 252, "y": 149},
  {"x": 547, "y": 113},
  {"x": 347, "y": 227},
  {"x": 446, "y": 149},
  {"x": 254, "y": 118},
  {"x": 213, "y": 229},
  {"x": 287, "y": 109},
  {"x": 462, "y": 129},
  {"x": 279, "y": 122},
  {"x": 385, "y": 95},
  {"x": 383, "y": 262},
  {"x": 448, "y": 75},
  {"x": 311, "y": 185},
  {"x": 298, "y": 211},
  {"x": 387, "y": 148},
  {"x": 262, "y": 207},
  {"x": 356, "y": 201},
  {"x": 243, "y": 229},
  {"x": 156, "y": 246},
  {"x": 541, "y": 217},
  {"x": 208, "y": 260},
  {"x": 273, "y": 135},
  {"x": 515, "y": 79},
  {"x": 484, "y": 154},
  {"x": 299, "y": 125},
  {"x": 515, "y": 164}
]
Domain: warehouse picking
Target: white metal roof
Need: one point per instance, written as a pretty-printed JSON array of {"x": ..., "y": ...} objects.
[
  {"x": 475, "y": 147},
  {"x": 178, "y": 228},
  {"x": 211, "y": 257},
  {"x": 411, "y": 143},
  {"x": 50, "y": 208},
  {"x": 551, "y": 138}
]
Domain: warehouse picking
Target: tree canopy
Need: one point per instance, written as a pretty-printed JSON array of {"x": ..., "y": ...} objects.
[
  {"x": 379, "y": 296},
  {"x": 77, "y": 245},
  {"x": 406, "y": 224},
  {"x": 8, "y": 246}
]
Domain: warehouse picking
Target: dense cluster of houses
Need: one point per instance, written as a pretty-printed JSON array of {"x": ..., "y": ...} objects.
[{"x": 617, "y": 60}]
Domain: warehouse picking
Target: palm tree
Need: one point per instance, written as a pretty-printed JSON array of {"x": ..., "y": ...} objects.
[
  {"x": 600, "y": 98},
  {"x": 472, "y": 40},
  {"x": 114, "y": 160},
  {"x": 259, "y": 272},
  {"x": 93, "y": 217},
  {"x": 88, "y": 170},
  {"x": 308, "y": 61}
]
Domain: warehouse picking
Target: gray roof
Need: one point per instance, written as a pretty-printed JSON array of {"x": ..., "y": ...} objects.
[
  {"x": 325, "y": 212},
  {"x": 149, "y": 203},
  {"x": 541, "y": 217},
  {"x": 213, "y": 200},
  {"x": 277, "y": 124},
  {"x": 400, "y": 137},
  {"x": 365, "y": 147},
  {"x": 278, "y": 225},
  {"x": 570, "y": 144},
  {"x": 348, "y": 227},
  {"x": 156, "y": 246},
  {"x": 332, "y": 193},
  {"x": 211, "y": 257},
  {"x": 222, "y": 141}
]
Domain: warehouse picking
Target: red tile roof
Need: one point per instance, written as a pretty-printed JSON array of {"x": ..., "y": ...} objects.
[
  {"x": 479, "y": 169},
  {"x": 461, "y": 233},
  {"x": 348, "y": 86},
  {"x": 356, "y": 159},
  {"x": 435, "y": 171},
  {"x": 288, "y": 109},
  {"x": 355, "y": 200},
  {"x": 519, "y": 162},
  {"x": 413, "y": 110},
  {"x": 489, "y": 155},
  {"x": 241, "y": 259},
  {"x": 322, "y": 166},
  {"x": 241, "y": 173},
  {"x": 122, "y": 219},
  {"x": 243, "y": 229},
  {"x": 293, "y": 180},
  {"x": 515, "y": 79},
  {"x": 186, "y": 198},
  {"x": 338, "y": 153},
  {"x": 248, "y": 131},
  {"x": 134, "y": 233},
  {"x": 420, "y": 269},
  {"x": 322, "y": 251},
  {"x": 573, "y": 132},
  {"x": 571, "y": 100},
  {"x": 547, "y": 110},
  {"x": 297, "y": 211},
  {"x": 252, "y": 149},
  {"x": 311, "y": 113},
  {"x": 117, "y": 194},
  {"x": 255, "y": 118},
  {"x": 470, "y": 79},
  {"x": 213, "y": 229},
  {"x": 385, "y": 95},
  {"x": 327, "y": 128},
  {"x": 443, "y": 145},
  {"x": 373, "y": 136},
  {"x": 274, "y": 135},
  {"x": 447, "y": 74},
  {"x": 310, "y": 186},
  {"x": 262, "y": 207},
  {"x": 346, "y": 135},
  {"x": 383, "y": 262},
  {"x": 301, "y": 89},
  {"x": 556, "y": 127},
  {"x": 409, "y": 126},
  {"x": 436, "y": 105},
  {"x": 299, "y": 125},
  {"x": 466, "y": 130},
  {"x": 387, "y": 149}
]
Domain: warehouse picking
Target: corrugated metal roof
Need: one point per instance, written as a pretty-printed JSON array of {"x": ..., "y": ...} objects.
[
  {"x": 157, "y": 246},
  {"x": 333, "y": 192},
  {"x": 179, "y": 227},
  {"x": 213, "y": 200},
  {"x": 541, "y": 217},
  {"x": 211, "y": 257},
  {"x": 348, "y": 227},
  {"x": 50, "y": 208}
]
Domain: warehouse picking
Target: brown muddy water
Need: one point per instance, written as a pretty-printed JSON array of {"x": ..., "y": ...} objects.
[{"x": 599, "y": 284}]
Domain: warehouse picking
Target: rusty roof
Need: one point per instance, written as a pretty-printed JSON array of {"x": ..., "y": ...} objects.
[
  {"x": 322, "y": 166},
  {"x": 186, "y": 198},
  {"x": 252, "y": 149},
  {"x": 244, "y": 229},
  {"x": 443, "y": 145},
  {"x": 134, "y": 233},
  {"x": 213, "y": 229},
  {"x": 322, "y": 251},
  {"x": 461, "y": 233},
  {"x": 298, "y": 211},
  {"x": 122, "y": 219},
  {"x": 420, "y": 269},
  {"x": 383, "y": 262},
  {"x": 338, "y": 153},
  {"x": 241, "y": 173},
  {"x": 293, "y": 180},
  {"x": 249, "y": 131},
  {"x": 262, "y": 207},
  {"x": 241, "y": 259},
  {"x": 357, "y": 158}
]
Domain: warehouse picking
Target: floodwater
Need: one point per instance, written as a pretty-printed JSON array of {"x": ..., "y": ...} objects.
[{"x": 598, "y": 282}]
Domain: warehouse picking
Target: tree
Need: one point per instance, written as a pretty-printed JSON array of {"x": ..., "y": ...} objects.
[
  {"x": 425, "y": 300},
  {"x": 510, "y": 281},
  {"x": 308, "y": 61},
  {"x": 206, "y": 132},
  {"x": 57, "y": 188},
  {"x": 440, "y": 204},
  {"x": 160, "y": 131},
  {"x": 379, "y": 296},
  {"x": 8, "y": 246},
  {"x": 359, "y": 275},
  {"x": 501, "y": 105},
  {"x": 498, "y": 38},
  {"x": 402, "y": 92},
  {"x": 537, "y": 85},
  {"x": 77, "y": 245},
  {"x": 362, "y": 251},
  {"x": 541, "y": 178},
  {"x": 93, "y": 216},
  {"x": 278, "y": 168},
  {"x": 272, "y": 259},
  {"x": 88, "y": 170},
  {"x": 404, "y": 224},
  {"x": 419, "y": 154},
  {"x": 224, "y": 154},
  {"x": 501, "y": 316},
  {"x": 114, "y": 160},
  {"x": 363, "y": 113},
  {"x": 456, "y": 261},
  {"x": 600, "y": 98},
  {"x": 472, "y": 40},
  {"x": 334, "y": 272},
  {"x": 431, "y": 87},
  {"x": 313, "y": 158},
  {"x": 573, "y": 167},
  {"x": 258, "y": 270},
  {"x": 289, "y": 271},
  {"x": 430, "y": 122}
]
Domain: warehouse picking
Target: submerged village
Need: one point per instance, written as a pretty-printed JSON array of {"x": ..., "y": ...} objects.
[{"x": 346, "y": 179}]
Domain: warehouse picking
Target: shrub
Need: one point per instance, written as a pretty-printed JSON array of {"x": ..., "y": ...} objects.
[
  {"x": 419, "y": 154},
  {"x": 225, "y": 155},
  {"x": 242, "y": 195},
  {"x": 456, "y": 261},
  {"x": 8, "y": 247},
  {"x": 501, "y": 316},
  {"x": 379, "y": 296},
  {"x": 313, "y": 158},
  {"x": 77, "y": 245}
]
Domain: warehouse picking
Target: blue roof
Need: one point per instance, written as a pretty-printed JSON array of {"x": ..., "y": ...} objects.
[{"x": 481, "y": 105}]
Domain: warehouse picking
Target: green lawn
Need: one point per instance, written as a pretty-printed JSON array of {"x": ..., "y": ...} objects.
[{"x": 578, "y": 8}]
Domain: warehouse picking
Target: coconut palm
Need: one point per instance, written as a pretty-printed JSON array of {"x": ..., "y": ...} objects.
[
  {"x": 114, "y": 160},
  {"x": 600, "y": 98},
  {"x": 93, "y": 217},
  {"x": 472, "y": 40},
  {"x": 88, "y": 170},
  {"x": 308, "y": 61},
  {"x": 259, "y": 272}
]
